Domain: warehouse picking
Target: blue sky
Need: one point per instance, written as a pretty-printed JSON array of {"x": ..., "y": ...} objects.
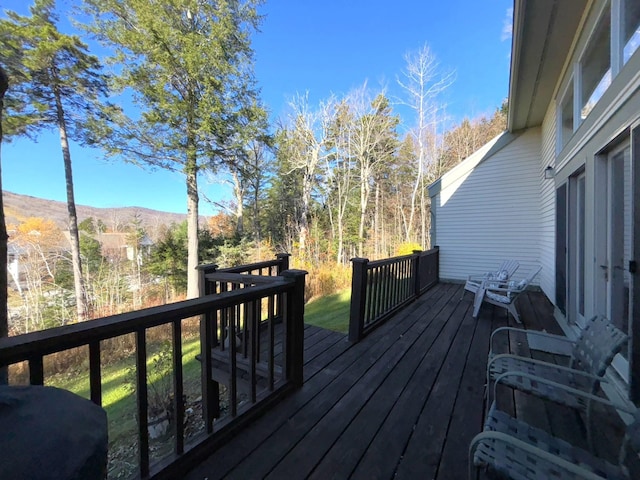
[{"x": 322, "y": 47}]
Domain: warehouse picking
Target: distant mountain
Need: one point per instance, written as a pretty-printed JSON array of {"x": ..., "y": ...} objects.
[{"x": 18, "y": 207}]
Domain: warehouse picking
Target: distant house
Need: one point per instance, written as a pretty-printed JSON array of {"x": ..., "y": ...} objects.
[
  {"x": 118, "y": 246},
  {"x": 561, "y": 187},
  {"x": 14, "y": 266}
]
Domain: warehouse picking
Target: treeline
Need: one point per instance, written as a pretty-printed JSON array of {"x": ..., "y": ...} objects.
[
  {"x": 343, "y": 180},
  {"x": 346, "y": 176}
]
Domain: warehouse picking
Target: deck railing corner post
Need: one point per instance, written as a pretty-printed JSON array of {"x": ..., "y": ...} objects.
[
  {"x": 203, "y": 271},
  {"x": 437, "y": 249},
  {"x": 283, "y": 258},
  {"x": 295, "y": 327},
  {"x": 358, "y": 298}
]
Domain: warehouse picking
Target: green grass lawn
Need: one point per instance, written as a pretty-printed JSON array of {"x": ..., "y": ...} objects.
[{"x": 330, "y": 312}]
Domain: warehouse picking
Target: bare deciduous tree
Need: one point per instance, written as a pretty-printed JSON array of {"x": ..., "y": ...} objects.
[
  {"x": 423, "y": 81},
  {"x": 374, "y": 142}
]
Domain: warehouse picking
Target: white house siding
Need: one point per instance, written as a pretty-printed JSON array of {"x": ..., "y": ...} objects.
[
  {"x": 547, "y": 230},
  {"x": 489, "y": 211}
]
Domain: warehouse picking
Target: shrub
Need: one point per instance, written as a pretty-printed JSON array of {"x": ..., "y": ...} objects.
[{"x": 407, "y": 248}]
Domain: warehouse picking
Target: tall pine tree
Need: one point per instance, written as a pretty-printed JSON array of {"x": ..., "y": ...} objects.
[
  {"x": 189, "y": 67},
  {"x": 56, "y": 84}
]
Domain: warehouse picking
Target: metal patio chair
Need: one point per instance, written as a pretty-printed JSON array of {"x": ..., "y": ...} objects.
[
  {"x": 517, "y": 450},
  {"x": 591, "y": 354}
]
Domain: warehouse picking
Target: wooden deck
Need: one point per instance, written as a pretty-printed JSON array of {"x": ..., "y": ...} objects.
[{"x": 402, "y": 403}]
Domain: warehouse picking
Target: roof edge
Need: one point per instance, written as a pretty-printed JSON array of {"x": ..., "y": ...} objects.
[{"x": 486, "y": 151}]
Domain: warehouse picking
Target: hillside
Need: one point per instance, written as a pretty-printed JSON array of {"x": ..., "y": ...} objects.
[{"x": 19, "y": 207}]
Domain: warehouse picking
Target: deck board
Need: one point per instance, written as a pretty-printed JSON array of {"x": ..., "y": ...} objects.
[{"x": 403, "y": 403}]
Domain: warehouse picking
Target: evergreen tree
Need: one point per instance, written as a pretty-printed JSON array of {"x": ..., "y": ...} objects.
[
  {"x": 57, "y": 84},
  {"x": 189, "y": 65}
]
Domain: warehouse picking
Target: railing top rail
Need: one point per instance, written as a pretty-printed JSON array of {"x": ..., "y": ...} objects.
[
  {"x": 429, "y": 252},
  {"x": 44, "y": 342},
  {"x": 251, "y": 266},
  {"x": 242, "y": 278},
  {"x": 388, "y": 261},
  {"x": 242, "y": 268}
]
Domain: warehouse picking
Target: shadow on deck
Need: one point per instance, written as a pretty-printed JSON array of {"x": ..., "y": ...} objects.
[{"x": 404, "y": 402}]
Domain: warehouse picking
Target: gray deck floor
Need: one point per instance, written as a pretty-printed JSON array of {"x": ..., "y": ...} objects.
[{"x": 403, "y": 403}]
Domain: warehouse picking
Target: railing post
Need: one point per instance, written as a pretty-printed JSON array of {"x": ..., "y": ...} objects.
[
  {"x": 283, "y": 266},
  {"x": 295, "y": 328},
  {"x": 204, "y": 270},
  {"x": 416, "y": 271},
  {"x": 358, "y": 298},
  {"x": 283, "y": 258},
  {"x": 437, "y": 249},
  {"x": 208, "y": 338}
]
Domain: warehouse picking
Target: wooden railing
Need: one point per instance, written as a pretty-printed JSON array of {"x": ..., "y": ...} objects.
[
  {"x": 266, "y": 268},
  {"x": 380, "y": 288},
  {"x": 266, "y": 378},
  {"x": 215, "y": 280}
]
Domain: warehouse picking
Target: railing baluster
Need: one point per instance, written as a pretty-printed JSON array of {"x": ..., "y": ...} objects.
[
  {"x": 209, "y": 409},
  {"x": 258, "y": 321},
  {"x": 271, "y": 332},
  {"x": 387, "y": 287},
  {"x": 395, "y": 268},
  {"x": 251, "y": 320},
  {"x": 95, "y": 377},
  {"x": 378, "y": 295},
  {"x": 233, "y": 373},
  {"x": 36, "y": 370},
  {"x": 369, "y": 278},
  {"x": 143, "y": 402},
  {"x": 178, "y": 402}
]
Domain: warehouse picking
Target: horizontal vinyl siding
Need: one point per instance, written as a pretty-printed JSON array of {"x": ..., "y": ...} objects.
[
  {"x": 548, "y": 207},
  {"x": 492, "y": 213}
]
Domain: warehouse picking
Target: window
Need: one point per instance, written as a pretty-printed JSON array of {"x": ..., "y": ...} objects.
[
  {"x": 566, "y": 117},
  {"x": 630, "y": 28},
  {"x": 595, "y": 67}
]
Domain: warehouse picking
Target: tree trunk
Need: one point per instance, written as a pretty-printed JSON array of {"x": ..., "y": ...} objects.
[
  {"x": 365, "y": 192},
  {"x": 74, "y": 237},
  {"x": 303, "y": 221},
  {"x": 238, "y": 192},
  {"x": 192, "y": 224},
  {"x": 4, "y": 318}
]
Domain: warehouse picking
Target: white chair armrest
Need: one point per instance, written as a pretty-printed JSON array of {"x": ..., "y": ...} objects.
[
  {"x": 536, "y": 333},
  {"x": 543, "y": 363},
  {"x": 574, "y": 391}
]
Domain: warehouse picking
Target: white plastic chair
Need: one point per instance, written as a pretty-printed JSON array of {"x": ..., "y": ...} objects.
[
  {"x": 502, "y": 275},
  {"x": 502, "y": 296}
]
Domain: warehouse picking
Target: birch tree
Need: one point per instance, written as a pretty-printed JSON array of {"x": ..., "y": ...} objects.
[
  {"x": 374, "y": 142},
  {"x": 305, "y": 142},
  {"x": 339, "y": 173},
  {"x": 423, "y": 82},
  {"x": 57, "y": 84},
  {"x": 188, "y": 65}
]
